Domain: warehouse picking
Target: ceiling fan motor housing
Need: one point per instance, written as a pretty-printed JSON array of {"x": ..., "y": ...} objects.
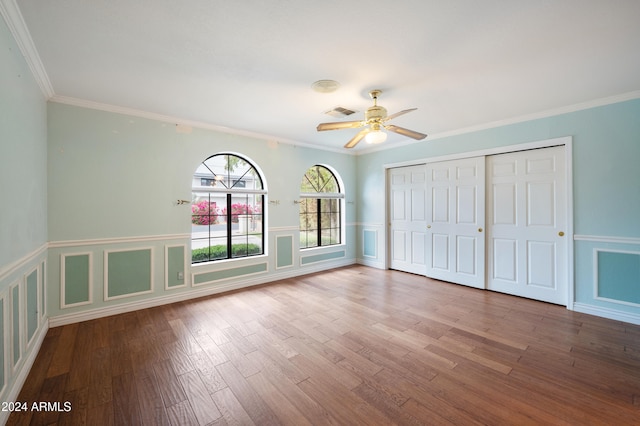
[{"x": 375, "y": 114}]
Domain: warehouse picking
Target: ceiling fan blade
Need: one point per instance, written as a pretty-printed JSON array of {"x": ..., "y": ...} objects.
[
  {"x": 339, "y": 125},
  {"x": 398, "y": 114},
  {"x": 357, "y": 138},
  {"x": 405, "y": 132}
]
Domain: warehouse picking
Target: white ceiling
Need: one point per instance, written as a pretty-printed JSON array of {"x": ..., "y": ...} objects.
[{"x": 249, "y": 65}]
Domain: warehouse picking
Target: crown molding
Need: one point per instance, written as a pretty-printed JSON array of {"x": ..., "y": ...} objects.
[
  {"x": 12, "y": 16},
  {"x": 514, "y": 120}
]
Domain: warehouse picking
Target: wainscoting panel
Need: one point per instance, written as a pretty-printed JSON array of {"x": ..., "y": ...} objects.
[
  {"x": 31, "y": 299},
  {"x": 617, "y": 276},
  {"x": 43, "y": 290},
  {"x": 128, "y": 272},
  {"x": 224, "y": 274},
  {"x": 322, "y": 257},
  {"x": 607, "y": 277},
  {"x": 16, "y": 325},
  {"x": 22, "y": 321},
  {"x": 284, "y": 251},
  {"x": 369, "y": 243},
  {"x": 175, "y": 261},
  {"x": 3, "y": 346},
  {"x": 371, "y": 239},
  {"x": 76, "y": 284}
]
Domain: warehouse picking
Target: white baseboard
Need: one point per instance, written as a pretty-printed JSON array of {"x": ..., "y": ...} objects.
[
  {"x": 192, "y": 294},
  {"x": 607, "y": 313}
]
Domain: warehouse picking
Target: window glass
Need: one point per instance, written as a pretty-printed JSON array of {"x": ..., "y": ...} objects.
[
  {"x": 320, "y": 208},
  {"x": 227, "y": 209}
]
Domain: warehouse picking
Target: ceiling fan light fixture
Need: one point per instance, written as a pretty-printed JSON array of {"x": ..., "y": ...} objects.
[
  {"x": 375, "y": 121},
  {"x": 375, "y": 137}
]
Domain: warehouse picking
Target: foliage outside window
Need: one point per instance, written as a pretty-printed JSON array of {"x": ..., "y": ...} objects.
[
  {"x": 320, "y": 208},
  {"x": 227, "y": 204}
]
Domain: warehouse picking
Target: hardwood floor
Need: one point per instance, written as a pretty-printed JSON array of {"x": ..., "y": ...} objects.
[{"x": 351, "y": 346}]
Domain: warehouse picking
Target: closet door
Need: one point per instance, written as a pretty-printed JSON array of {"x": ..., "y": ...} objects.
[
  {"x": 455, "y": 221},
  {"x": 526, "y": 209},
  {"x": 407, "y": 218}
]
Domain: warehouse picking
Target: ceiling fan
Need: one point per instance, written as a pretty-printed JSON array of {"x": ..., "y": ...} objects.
[{"x": 375, "y": 119}]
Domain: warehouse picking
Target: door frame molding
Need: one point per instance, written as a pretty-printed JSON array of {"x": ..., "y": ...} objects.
[{"x": 567, "y": 141}]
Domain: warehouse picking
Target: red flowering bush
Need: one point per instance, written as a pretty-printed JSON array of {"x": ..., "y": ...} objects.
[
  {"x": 204, "y": 213},
  {"x": 238, "y": 209}
]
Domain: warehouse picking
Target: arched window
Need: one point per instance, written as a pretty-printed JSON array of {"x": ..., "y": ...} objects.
[
  {"x": 227, "y": 208},
  {"x": 320, "y": 208}
]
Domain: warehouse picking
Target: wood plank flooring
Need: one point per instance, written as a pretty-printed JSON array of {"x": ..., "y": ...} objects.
[{"x": 350, "y": 346}]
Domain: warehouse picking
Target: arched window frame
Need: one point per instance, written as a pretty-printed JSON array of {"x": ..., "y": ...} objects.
[
  {"x": 242, "y": 221},
  {"x": 316, "y": 236}
]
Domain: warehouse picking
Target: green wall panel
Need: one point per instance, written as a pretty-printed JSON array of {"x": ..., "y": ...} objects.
[
  {"x": 175, "y": 265},
  {"x": 320, "y": 257},
  {"x": 2, "y": 379},
  {"x": 15, "y": 323},
  {"x": 619, "y": 276},
  {"x": 76, "y": 279},
  {"x": 284, "y": 251},
  {"x": 129, "y": 272},
  {"x": 369, "y": 243},
  {"x": 32, "y": 304},
  {"x": 229, "y": 273},
  {"x": 43, "y": 287}
]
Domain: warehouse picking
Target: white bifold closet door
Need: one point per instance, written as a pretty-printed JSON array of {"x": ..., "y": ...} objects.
[
  {"x": 455, "y": 249},
  {"x": 527, "y": 219}
]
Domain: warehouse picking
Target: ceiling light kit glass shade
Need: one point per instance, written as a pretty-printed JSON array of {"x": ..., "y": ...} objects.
[{"x": 376, "y": 136}]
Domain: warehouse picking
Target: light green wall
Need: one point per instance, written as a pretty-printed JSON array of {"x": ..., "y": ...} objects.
[
  {"x": 112, "y": 175},
  {"x": 606, "y": 183},
  {"x": 23, "y": 155},
  {"x": 23, "y": 214}
]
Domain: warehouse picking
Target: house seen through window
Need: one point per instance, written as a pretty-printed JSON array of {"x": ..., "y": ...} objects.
[
  {"x": 320, "y": 208},
  {"x": 227, "y": 207}
]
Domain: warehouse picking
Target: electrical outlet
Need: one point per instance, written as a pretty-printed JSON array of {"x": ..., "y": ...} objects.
[{"x": 181, "y": 275}]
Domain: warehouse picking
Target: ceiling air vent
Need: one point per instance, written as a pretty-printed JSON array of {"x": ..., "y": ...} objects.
[{"x": 339, "y": 112}]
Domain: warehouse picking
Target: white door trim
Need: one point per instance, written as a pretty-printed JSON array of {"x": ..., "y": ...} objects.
[{"x": 567, "y": 141}]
